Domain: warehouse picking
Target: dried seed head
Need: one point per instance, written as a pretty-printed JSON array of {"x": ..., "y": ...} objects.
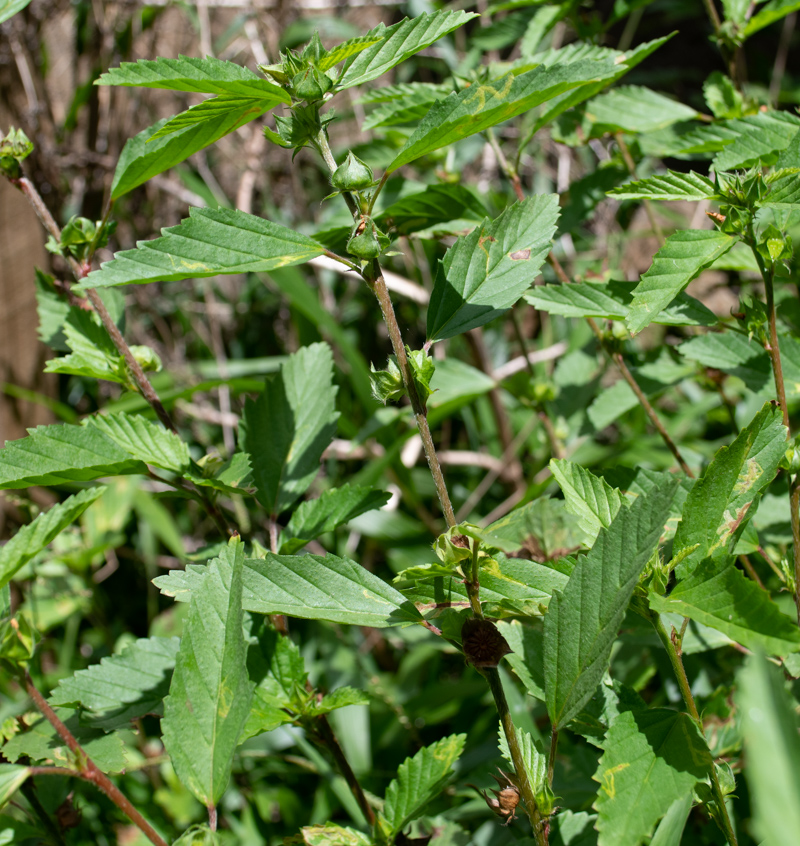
[
  {"x": 483, "y": 645},
  {"x": 504, "y": 802}
]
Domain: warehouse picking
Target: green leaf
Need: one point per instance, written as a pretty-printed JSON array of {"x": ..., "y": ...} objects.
[
  {"x": 52, "y": 455},
  {"x": 768, "y": 14},
  {"x": 717, "y": 507},
  {"x": 544, "y": 525},
  {"x": 611, "y": 300},
  {"x": 527, "y": 656},
  {"x": 221, "y": 114},
  {"x": 9, "y": 8},
  {"x": 12, "y": 776},
  {"x": 633, "y": 108},
  {"x": 719, "y": 595},
  {"x": 418, "y": 780},
  {"x": 335, "y": 507},
  {"x": 784, "y": 191},
  {"x": 480, "y": 107},
  {"x": 669, "y": 186},
  {"x": 144, "y": 440},
  {"x": 581, "y": 623},
  {"x": 209, "y": 243},
  {"x": 772, "y": 746},
  {"x": 756, "y": 139},
  {"x": 652, "y": 759},
  {"x": 197, "y": 76},
  {"x": 122, "y": 687},
  {"x": 310, "y": 586},
  {"x": 348, "y": 49},
  {"x": 670, "y": 829},
  {"x": 286, "y": 430},
  {"x": 398, "y": 42},
  {"x": 34, "y": 537},
  {"x": 342, "y": 697},
  {"x": 684, "y": 255},
  {"x": 722, "y": 97},
  {"x": 533, "y": 757},
  {"x": 93, "y": 352},
  {"x": 732, "y": 353},
  {"x": 486, "y": 272},
  {"x": 331, "y": 834},
  {"x": 588, "y": 497},
  {"x": 409, "y": 107},
  {"x": 210, "y": 694}
]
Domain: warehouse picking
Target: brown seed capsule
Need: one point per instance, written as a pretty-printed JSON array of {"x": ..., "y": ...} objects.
[
  {"x": 483, "y": 645},
  {"x": 505, "y": 800}
]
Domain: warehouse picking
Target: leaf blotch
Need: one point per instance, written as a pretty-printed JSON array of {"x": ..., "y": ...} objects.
[{"x": 520, "y": 255}]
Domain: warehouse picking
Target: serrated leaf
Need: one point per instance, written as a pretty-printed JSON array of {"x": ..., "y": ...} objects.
[
  {"x": 544, "y": 528},
  {"x": 121, "y": 687},
  {"x": 769, "y": 727},
  {"x": 480, "y": 107},
  {"x": 315, "y": 517},
  {"x": 652, "y": 758},
  {"x": 717, "y": 507},
  {"x": 591, "y": 499},
  {"x": 194, "y": 75},
  {"x": 768, "y": 14},
  {"x": 756, "y": 139},
  {"x": 722, "y": 96},
  {"x": 348, "y": 49},
  {"x": 310, "y": 586},
  {"x": 286, "y": 430},
  {"x": 581, "y": 623},
  {"x": 784, "y": 192},
  {"x": 533, "y": 757},
  {"x": 42, "y": 743},
  {"x": 144, "y": 440},
  {"x": 684, "y": 255},
  {"x": 669, "y": 186},
  {"x": 398, "y": 42},
  {"x": 612, "y": 300},
  {"x": 34, "y": 537},
  {"x": 719, "y": 595},
  {"x": 8, "y": 8},
  {"x": 734, "y": 353},
  {"x": 330, "y": 834},
  {"x": 51, "y": 455},
  {"x": 12, "y": 776},
  {"x": 342, "y": 697},
  {"x": 411, "y": 107},
  {"x": 209, "y": 243},
  {"x": 634, "y": 108},
  {"x": 52, "y": 310},
  {"x": 527, "y": 656},
  {"x": 93, "y": 352},
  {"x": 486, "y": 272},
  {"x": 418, "y": 780},
  {"x": 210, "y": 693}
]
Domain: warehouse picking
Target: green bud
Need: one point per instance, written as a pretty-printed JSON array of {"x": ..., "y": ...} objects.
[
  {"x": 14, "y": 147},
  {"x": 387, "y": 384},
  {"x": 311, "y": 84},
  {"x": 147, "y": 358},
  {"x": 277, "y": 73},
  {"x": 541, "y": 392},
  {"x": 454, "y": 545},
  {"x": 18, "y": 640},
  {"x": 352, "y": 175},
  {"x": 367, "y": 241}
]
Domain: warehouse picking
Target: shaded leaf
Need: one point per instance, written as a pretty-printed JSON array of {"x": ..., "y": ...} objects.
[
  {"x": 487, "y": 271},
  {"x": 12, "y": 776},
  {"x": 756, "y": 138},
  {"x": 210, "y": 693},
  {"x": 209, "y": 243},
  {"x": 768, "y": 14}
]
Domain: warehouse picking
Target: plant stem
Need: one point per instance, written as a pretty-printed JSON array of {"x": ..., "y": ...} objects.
[
  {"x": 686, "y": 691},
  {"x": 87, "y": 769},
  {"x": 648, "y": 207},
  {"x": 523, "y": 782},
  {"x": 551, "y": 760}
]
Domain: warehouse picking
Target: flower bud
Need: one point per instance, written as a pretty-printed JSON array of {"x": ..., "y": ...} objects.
[
  {"x": 367, "y": 241},
  {"x": 311, "y": 84},
  {"x": 352, "y": 175}
]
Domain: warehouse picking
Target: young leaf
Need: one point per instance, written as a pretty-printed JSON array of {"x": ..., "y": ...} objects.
[
  {"x": 670, "y": 829},
  {"x": 210, "y": 694},
  {"x": 652, "y": 759},
  {"x": 683, "y": 256},
  {"x": 418, "y": 780},
  {"x": 769, "y": 726},
  {"x": 408, "y": 108},
  {"x": 768, "y": 14},
  {"x": 669, "y": 186},
  {"x": 398, "y": 42},
  {"x": 612, "y": 300},
  {"x": 52, "y": 455},
  {"x": 93, "y": 352},
  {"x": 590, "y": 498},
  {"x": 209, "y": 243},
  {"x": 143, "y": 440},
  {"x": 310, "y": 586},
  {"x": 718, "y": 504},
  {"x": 197, "y": 76},
  {"x": 122, "y": 687},
  {"x": 221, "y": 114},
  {"x": 487, "y": 271},
  {"x": 633, "y": 108},
  {"x": 286, "y": 430},
  {"x": 30, "y": 539},
  {"x": 480, "y": 107},
  {"x": 336, "y": 506},
  {"x": 581, "y": 623},
  {"x": 719, "y": 595}
]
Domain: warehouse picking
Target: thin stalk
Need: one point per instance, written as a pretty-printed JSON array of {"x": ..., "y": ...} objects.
[
  {"x": 492, "y": 675},
  {"x": 648, "y": 207},
  {"x": 551, "y": 760},
  {"x": 509, "y": 170},
  {"x": 87, "y": 769},
  {"x": 686, "y": 691}
]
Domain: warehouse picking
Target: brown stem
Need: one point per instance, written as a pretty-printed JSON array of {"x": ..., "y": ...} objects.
[
  {"x": 377, "y": 283},
  {"x": 506, "y": 166},
  {"x": 686, "y": 691},
  {"x": 87, "y": 769},
  {"x": 212, "y": 817},
  {"x": 648, "y": 207},
  {"x": 748, "y": 566}
]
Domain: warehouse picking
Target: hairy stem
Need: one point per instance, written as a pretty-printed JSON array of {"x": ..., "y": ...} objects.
[
  {"x": 87, "y": 769},
  {"x": 686, "y": 691}
]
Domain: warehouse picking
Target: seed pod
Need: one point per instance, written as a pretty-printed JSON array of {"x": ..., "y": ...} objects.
[
  {"x": 483, "y": 644},
  {"x": 352, "y": 175},
  {"x": 367, "y": 241}
]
